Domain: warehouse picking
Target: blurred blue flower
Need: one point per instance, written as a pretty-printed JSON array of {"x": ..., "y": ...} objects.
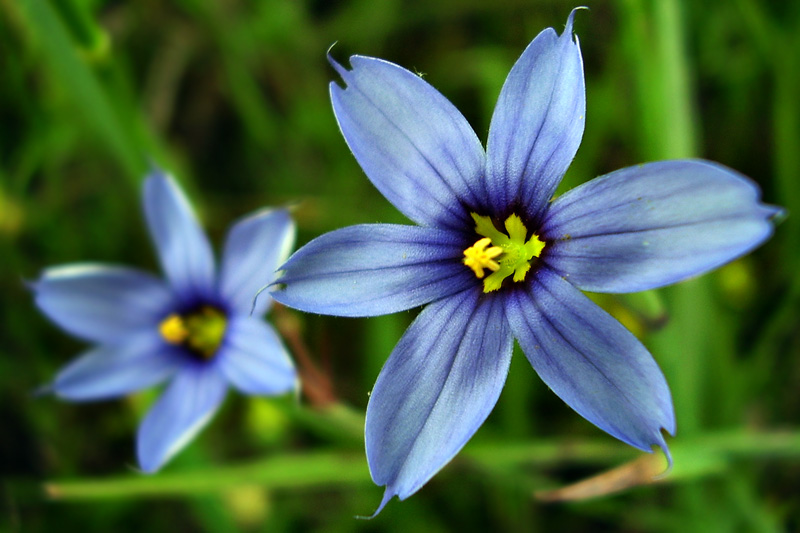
[
  {"x": 195, "y": 328},
  {"x": 495, "y": 257}
]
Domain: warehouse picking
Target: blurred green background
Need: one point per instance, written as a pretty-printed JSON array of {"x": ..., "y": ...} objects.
[{"x": 232, "y": 97}]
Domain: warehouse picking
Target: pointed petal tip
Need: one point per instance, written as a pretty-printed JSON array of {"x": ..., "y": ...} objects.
[
  {"x": 387, "y": 495},
  {"x": 43, "y": 390},
  {"x": 660, "y": 444},
  {"x": 776, "y": 214},
  {"x": 136, "y": 469},
  {"x": 328, "y": 52},
  {"x": 156, "y": 176},
  {"x": 668, "y": 456},
  {"x": 147, "y": 464},
  {"x": 664, "y": 428},
  {"x": 342, "y": 71},
  {"x": 147, "y": 469},
  {"x": 571, "y": 19},
  {"x": 258, "y": 294},
  {"x": 30, "y": 284},
  {"x": 153, "y": 168}
]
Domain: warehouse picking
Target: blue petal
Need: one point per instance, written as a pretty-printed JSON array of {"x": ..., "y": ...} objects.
[
  {"x": 537, "y": 125},
  {"x": 591, "y": 361},
  {"x": 374, "y": 269},
  {"x": 254, "y": 359},
  {"x": 438, "y": 386},
  {"x": 102, "y": 303},
  {"x": 253, "y": 250},
  {"x": 651, "y": 225},
  {"x": 414, "y": 146},
  {"x": 113, "y": 370},
  {"x": 183, "y": 248},
  {"x": 186, "y": 406}
]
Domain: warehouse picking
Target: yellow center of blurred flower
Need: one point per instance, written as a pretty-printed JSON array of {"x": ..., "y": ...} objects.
[
  {"x": 503, "y": 254},
  {"x": 200, "y": 331}
]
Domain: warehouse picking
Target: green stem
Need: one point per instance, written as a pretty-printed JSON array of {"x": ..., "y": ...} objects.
[
  {"x": 678, "y": 136},
  {"x": 284, "y": 471},
  {"x": 326, "y": 468}
]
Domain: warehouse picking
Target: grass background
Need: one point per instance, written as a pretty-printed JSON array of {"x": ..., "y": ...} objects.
[{"x": 232, "y": 97}]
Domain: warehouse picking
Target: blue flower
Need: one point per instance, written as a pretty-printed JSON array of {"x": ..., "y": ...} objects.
[
  {"x": 495, "y": 258},
  {"x": 195, "y": 328}
]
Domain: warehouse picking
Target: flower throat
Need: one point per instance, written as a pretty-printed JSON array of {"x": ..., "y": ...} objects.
[
  {"x": 504, "y": 255},
  {"x": 200, "y": 331}
]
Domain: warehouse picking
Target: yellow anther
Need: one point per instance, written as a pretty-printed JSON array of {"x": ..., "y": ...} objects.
[
  {"x": 509, "y": 255},
  {"x": 173, "y": 329},
  {"x": 478, "y": 256}
]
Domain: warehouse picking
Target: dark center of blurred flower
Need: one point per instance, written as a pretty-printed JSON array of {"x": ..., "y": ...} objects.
[
  {"x": 200, "y": 331},
  {"x": 503, "y": 254}
]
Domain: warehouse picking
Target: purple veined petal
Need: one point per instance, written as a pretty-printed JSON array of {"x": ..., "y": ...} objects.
[
  {"x": 183, "y": 248},
  {"x": 537, "y": 124},
  {"x": 652, "y": 225},
  {"x": 374, "y": 269},
  {"x": 591, "y": 361},
  {"x": 186, "y": 406},
  {"x": 437, "y": 388},
  {"x": 413, "y": 144},
  {"x": 255, "y": 246},
  {"x": 254, "y": 360},
  {"x": 114, "y": 370},
  {"x": 102, "y": 303}
]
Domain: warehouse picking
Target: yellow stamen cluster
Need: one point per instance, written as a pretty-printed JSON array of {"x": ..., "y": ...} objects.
[
  {"x": 478, "y": 256},
  {"x": 504, "y": 255},
  {"x": 173, "y": 329},
  {"x": 201, "y": 331}
]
